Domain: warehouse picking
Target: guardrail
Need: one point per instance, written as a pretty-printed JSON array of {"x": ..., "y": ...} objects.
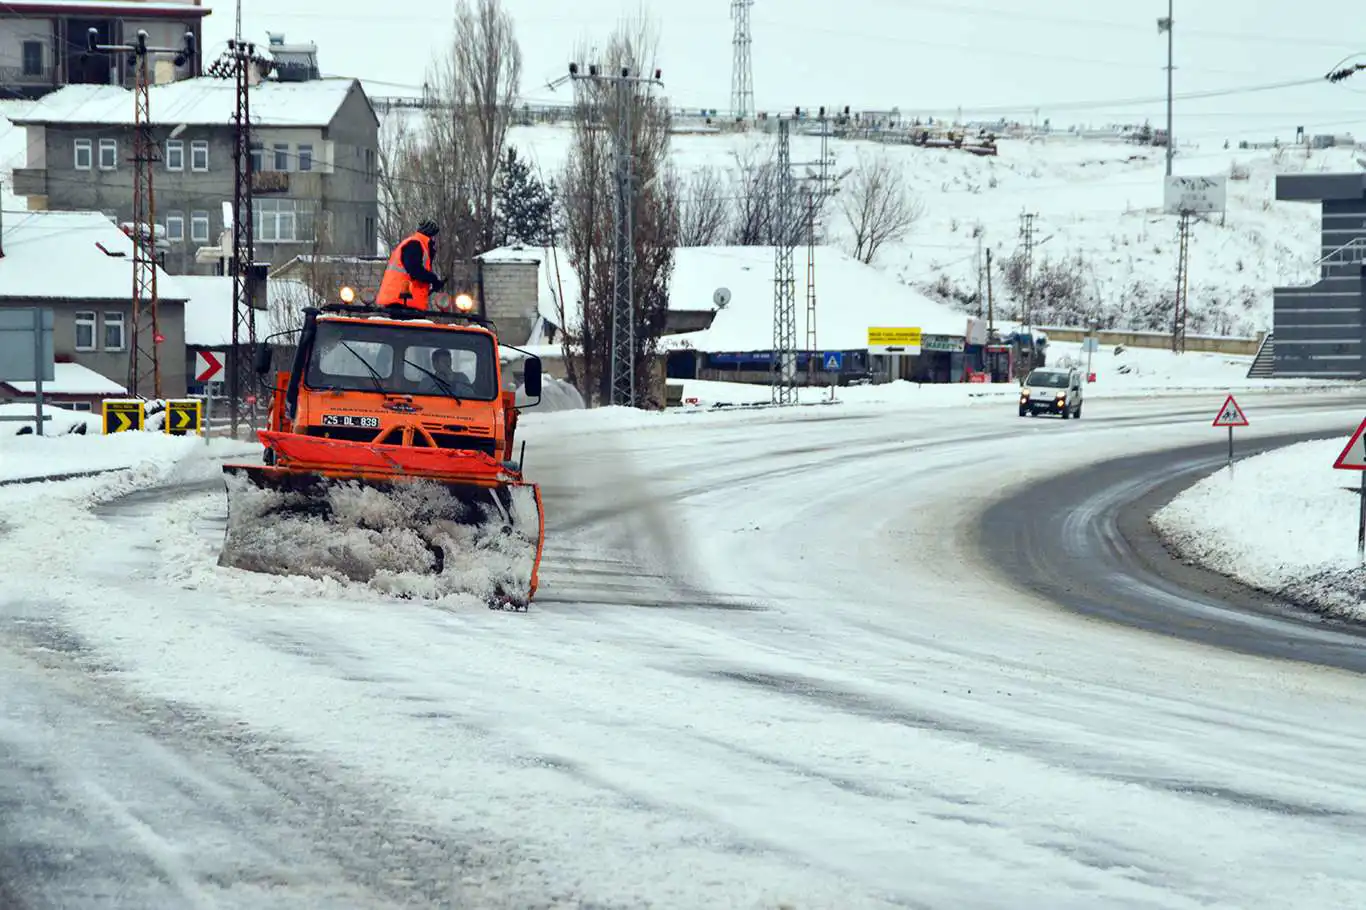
[{"x": 1207, "y": 344}]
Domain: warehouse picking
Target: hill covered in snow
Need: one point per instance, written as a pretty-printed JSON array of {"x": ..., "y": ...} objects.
[{"x": 1104, "y": 247}]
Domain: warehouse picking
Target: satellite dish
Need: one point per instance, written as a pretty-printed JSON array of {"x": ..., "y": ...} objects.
[{"x": 721, "y": 298}]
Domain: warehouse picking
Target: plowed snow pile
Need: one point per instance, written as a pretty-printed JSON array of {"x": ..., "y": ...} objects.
[
  {"x": 1284, "y": 522},
  {"x": 406, "y": 542}
]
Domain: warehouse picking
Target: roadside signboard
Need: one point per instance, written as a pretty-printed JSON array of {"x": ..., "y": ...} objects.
[
  {"x": 1353, "y": 458},
  {"x": 123, "y": 414},
  {"x": 1230, "y": 415},
  {"x": 207, "y": 365},
  {"x": 184, "y": 416},
  {"x": 902, "y": 341}
]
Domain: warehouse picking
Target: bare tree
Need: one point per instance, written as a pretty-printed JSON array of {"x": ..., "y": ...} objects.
[
  {"x": 878, "y": 206},
  {"x": 488, "y": 73},
  {"x": 446, "y": 167},
  {"x": 756, "y": 191},
  {"x": 587, "y": 210},
  {"x": 704, "y": 208}
]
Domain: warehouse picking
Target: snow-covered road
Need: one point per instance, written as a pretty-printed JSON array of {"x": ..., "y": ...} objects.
[{"x": 767, "y": 665}]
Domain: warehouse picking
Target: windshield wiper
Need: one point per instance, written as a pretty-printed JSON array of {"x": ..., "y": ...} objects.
[
  {"x": 439, "y": 381},
  {"x": 374, "y": 373}
]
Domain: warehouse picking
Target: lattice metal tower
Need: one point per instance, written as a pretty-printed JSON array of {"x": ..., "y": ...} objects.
[
  {"x": 625, "y": 351},
  {"x": 144, "y": 360},
  {"x": 244, "y": 66},
  {"x": 783, "y": 369},
  {"x": 742, "y": 66},
  {"x": 1182, "y": 282},
  {"x": 1027, "y": 242},
  {"x": 814, "y": 201}
]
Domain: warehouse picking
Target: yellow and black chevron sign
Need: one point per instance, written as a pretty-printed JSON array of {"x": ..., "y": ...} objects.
[
  {"x": 184, "y": 416},
  {"x": 121, "y": 415}
]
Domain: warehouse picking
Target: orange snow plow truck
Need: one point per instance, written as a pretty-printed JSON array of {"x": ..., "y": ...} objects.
[{"x": 389, "y": 459}]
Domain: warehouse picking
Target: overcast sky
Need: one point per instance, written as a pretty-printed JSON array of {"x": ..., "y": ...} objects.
[{"x": 1076, "y": 61}]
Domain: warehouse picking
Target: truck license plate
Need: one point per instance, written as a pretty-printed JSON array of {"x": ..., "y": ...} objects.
[{"x": 350, "y": 420}]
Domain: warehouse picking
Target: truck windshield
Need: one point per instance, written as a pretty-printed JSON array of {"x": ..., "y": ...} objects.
[{"x": 405, "y": 360}]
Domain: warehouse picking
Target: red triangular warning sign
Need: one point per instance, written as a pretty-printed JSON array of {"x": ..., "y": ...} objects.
[
  {"x": 1353, "y": 458},
  {"x": 1230, "y": 415}
]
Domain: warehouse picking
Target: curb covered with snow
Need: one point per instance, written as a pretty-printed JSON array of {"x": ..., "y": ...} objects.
[{"x": 1284, "y": 522}]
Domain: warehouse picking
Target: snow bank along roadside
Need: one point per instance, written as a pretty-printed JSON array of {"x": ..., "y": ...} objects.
[
  {"x": 149, "y": 457},
  {"x": 1284, "y": 522}
]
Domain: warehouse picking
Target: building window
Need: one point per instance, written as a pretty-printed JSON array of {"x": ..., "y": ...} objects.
[
  {"x": 258, "y": 158},
  {"x": 175, "y": 226},
  {"x": 283, "y": 220},
  {"x": 113, "y": 331},
  {"x": 109, "y": 154},
  {"x": 85, "y": 331},
  {"x": 369, "y": 235},
  {"x": 77, "y": 405},
  {"x": 199, "y": 227},
  {"x": 33, "y": 58},
  {"x": 305, "y": 157},
  {"x": 84, "y": 154},
  {"x": 282, "y": 156},
  {"x": 199, "y": 155},
  {"x": 371, "y": 164},
  {"x": 175, "y": 155}
]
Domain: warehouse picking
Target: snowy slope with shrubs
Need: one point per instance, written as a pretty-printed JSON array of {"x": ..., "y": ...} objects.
[{"x": 1106, "y": 249}]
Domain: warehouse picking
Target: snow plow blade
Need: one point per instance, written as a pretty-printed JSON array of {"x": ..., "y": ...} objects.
[{"x": 412, "y": 522}]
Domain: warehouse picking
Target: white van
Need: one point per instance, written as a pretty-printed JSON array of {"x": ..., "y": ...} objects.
[{"x": 1051, "y": 390}]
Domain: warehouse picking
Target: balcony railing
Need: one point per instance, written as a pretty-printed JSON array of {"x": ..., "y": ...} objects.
[{"x": 18, "y": 75}]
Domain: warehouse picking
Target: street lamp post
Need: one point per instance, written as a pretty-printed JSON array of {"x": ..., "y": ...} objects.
[{"x": 1165, "y": 25}]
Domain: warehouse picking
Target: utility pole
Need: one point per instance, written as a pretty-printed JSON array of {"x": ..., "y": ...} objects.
[
  {"x": 1165, "y": 25},
  {"x": 624, "y": 348},
  {"x": 742, "y": 65},
  {"x": 144, "y": 360},
  {"x": 978, "y": 260},
  {"x": 815, "y": 199},
  {"x": 1182, "y": 283},
  {"x": 991, "y": 308},
  {"x": 245, "y": 67},
  {"x": 1026, "y": 316},
  {"x": 1027, "y": 238},
  {"x": 783, "y": 368}
]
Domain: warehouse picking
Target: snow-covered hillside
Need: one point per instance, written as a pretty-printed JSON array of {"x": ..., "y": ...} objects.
[{"x": 1098, "y": 205}]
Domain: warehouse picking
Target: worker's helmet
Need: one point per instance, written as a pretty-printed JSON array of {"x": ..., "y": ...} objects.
[{"x": 429, "y": 227}]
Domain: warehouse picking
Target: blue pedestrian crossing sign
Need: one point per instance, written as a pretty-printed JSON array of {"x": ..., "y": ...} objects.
[{"x": 833, "y": 360}]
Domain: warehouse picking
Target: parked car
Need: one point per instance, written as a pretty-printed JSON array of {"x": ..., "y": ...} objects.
[{"x": 1053, "y": 390}]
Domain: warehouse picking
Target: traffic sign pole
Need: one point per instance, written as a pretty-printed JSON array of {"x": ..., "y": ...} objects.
[{"x": 1361, "y": 523}]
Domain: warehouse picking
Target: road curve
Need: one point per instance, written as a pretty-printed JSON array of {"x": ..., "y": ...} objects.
[{"x": 1083, "y": 541}]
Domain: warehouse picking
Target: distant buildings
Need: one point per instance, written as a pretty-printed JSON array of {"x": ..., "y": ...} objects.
[
  {"x": 43, "y": 42},
  {"x": 315, "y": 157}
]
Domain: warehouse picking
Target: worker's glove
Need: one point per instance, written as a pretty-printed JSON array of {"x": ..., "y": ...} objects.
[{"x": 439, "y": 285}]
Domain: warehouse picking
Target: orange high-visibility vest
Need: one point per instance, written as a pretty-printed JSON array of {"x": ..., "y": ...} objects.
[{"x": 397, "y": 280}]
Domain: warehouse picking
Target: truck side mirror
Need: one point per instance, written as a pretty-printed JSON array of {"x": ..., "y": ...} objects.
[
  {"x": 531, "y": 377},
  {"x": 263, "y": 359}
]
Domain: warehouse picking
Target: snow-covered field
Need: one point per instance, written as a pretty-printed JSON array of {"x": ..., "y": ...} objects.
[
  {"x": 1095, "y": 199},
  {"x": 1285, "y": 521}
]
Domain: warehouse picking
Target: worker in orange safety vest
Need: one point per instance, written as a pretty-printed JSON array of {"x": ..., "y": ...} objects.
[{"x": 410, "y": 270}]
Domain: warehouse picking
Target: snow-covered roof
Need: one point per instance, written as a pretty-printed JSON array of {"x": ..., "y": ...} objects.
[
  {"x": 208, "y": 312},
  {"x": 130, "y": 9},
  {"x": 70, "y": 256},
  {"x": 204, "y": 101},
  {"x": 72, "y": 379},
  {"x": 514, "y": 254},
  {"x": 851, "y": 297}
]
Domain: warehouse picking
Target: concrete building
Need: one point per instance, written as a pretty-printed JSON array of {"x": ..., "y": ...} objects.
[
  {"x": 42, "y": 42},
  {"x": 316, "y": 186},
  {"x": 1319, "y": 331},
  {"x": 81, "y": 266}
]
